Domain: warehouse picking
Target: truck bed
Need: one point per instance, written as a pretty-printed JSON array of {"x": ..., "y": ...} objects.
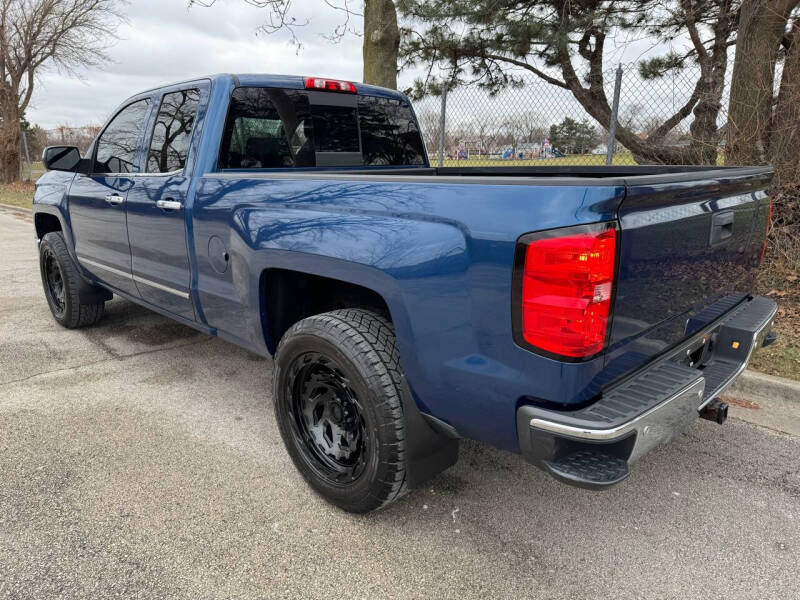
[{"x": 447, "y": 237}]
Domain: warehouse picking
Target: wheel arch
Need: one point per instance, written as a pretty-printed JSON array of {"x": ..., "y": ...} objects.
[
  {"x": 288, "y": 296},
  {"x": 45, "y": 223}
]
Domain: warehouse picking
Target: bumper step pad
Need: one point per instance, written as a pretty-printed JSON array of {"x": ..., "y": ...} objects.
[
  {"x": 589, "y": 468},
  {"x": 635, "y": 396}
]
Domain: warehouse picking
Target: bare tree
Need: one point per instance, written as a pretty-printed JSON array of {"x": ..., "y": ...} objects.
[
  {"x": 66, "y": 135},
  {"x": 381, "y": 33},
  {"x": 430, "y": 125},
  {"x": 36, "y": 34},
  {"x": 531, "y": 127}
]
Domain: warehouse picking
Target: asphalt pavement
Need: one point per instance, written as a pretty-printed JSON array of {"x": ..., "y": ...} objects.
[{"x": 141, "y": 459}]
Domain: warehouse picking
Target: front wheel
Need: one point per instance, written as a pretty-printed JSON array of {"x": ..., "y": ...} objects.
[
  {"x": 337, "y": 393},
  {"x": 62, "y": 285}
]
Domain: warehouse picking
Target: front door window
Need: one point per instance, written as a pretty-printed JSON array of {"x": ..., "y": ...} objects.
[{"x": 116, "y": 148}]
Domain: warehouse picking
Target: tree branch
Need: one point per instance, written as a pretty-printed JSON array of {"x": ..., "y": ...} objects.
[
  {"x": 694, "y": 35},
  {"x": 529, "y": 67}
]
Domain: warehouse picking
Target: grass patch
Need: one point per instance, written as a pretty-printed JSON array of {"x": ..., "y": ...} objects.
[
  {"x": 779, "y": 279},
  {"x": 781, "y": 358},
  {"x": 17, "y": 194},
  {"x": 32, "y": 171},
  {"x": 577, "y": 160}
]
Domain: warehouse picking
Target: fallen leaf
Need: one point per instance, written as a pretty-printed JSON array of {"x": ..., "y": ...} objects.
[{"x": 742, "y": 402}]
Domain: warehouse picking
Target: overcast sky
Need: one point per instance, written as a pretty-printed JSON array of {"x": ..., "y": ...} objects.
[{"x": 164, "y": 42}]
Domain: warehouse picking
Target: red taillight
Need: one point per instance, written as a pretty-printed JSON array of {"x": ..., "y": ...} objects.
[
  {"x": 766, "y": 232},
  {"x": 567, "y": 281},
  {"x": 329, "y": 85}
]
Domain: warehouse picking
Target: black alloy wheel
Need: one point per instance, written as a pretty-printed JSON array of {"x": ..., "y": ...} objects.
[
  {"x": 54, "y": 281},
  {"x": 338, "y": 395},
  {"x": 73, "y": 301},
  {"x": 328, "y": 421}
]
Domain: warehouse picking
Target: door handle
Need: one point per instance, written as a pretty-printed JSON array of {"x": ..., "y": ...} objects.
[
  {"x": 115, "y": 199},
  {"x": 169, "y": 204}
]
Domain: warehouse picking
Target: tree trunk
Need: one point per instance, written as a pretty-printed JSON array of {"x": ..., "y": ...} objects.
[
  {"x": 761, "y": 27},
  {"x": 703, "y": 130},
  {"x": 9, "y": 143},
  {"x": 785, "y": 138},
  {"x": 381, "y": 43}
]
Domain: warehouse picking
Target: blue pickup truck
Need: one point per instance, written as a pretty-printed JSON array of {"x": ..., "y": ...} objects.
[{"x": 578, "y": 316}]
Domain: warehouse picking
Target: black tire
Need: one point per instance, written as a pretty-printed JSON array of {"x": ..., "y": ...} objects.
[
  {"x": 63, "y": 284},
  {"x": 346, "y": 358}
]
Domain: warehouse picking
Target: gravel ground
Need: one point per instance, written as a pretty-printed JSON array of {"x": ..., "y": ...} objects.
[{"x": 141, "y": 459}]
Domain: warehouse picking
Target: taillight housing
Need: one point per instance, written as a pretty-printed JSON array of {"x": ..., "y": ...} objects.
[
  {"x": 330, "y": 85},
  {"x": 563, "y": 290}
]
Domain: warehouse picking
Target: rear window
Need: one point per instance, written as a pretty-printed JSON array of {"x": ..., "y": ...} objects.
[
  {"x": 389, "y": 134},
  {"x": 335, "y": 129},
  {"x": 269, "y": 128}
]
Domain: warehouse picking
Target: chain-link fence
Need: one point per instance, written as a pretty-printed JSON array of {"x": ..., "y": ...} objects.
[
  {"x": 29, "y": 167},
  {"x": 533, "y": 123},
  {"x": 35, "y": 139},
  {"x": 538, "y": 123}
]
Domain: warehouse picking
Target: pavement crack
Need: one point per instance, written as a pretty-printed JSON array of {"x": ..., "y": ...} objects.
[
  {"x": 763, "y": 426},
  {"x": 113, "y": 358}
]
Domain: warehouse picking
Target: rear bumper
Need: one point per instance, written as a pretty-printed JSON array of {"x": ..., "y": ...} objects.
[{"x": 594, "y": 447}]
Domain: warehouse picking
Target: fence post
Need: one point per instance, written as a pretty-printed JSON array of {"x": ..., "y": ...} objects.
[
  {"x": 612, "y": 127},
  {"x": 27, "y": 154},
  {"x": 442, "y": 120}
]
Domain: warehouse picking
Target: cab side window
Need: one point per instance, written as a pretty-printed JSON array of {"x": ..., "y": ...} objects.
[
  {"x": 173, "y": 132},
  {"x": 116, "y": 148}
]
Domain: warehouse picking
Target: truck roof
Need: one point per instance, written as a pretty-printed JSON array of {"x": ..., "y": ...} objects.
[{"x": 284, "y": 81}]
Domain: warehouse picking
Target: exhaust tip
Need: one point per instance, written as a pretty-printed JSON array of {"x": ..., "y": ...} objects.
[{"x": 716, "y": 411}]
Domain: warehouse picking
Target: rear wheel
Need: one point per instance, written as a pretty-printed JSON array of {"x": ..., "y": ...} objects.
[
  {"x": 337, "y": 392},
  {"x": 62, "y": 285}
]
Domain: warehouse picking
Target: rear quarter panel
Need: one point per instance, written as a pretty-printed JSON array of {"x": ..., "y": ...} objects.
[{"x": 441, "y": 255}]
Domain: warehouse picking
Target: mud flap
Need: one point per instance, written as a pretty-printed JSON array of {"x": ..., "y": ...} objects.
[{"x": 428, "y": 451}]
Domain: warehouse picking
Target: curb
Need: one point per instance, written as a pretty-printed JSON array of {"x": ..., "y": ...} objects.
[
  {"x": 752, "y": 384},
  {"x": 16, "y": 209}
]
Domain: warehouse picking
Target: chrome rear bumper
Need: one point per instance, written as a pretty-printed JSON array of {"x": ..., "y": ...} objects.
[{"x": 593, "y": 447}]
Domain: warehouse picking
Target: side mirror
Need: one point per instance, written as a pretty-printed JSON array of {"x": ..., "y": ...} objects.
[{"x": 64, "y": 158}]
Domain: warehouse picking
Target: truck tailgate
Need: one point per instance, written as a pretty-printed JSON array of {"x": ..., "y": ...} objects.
[{"x": 690, "y": 246}]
